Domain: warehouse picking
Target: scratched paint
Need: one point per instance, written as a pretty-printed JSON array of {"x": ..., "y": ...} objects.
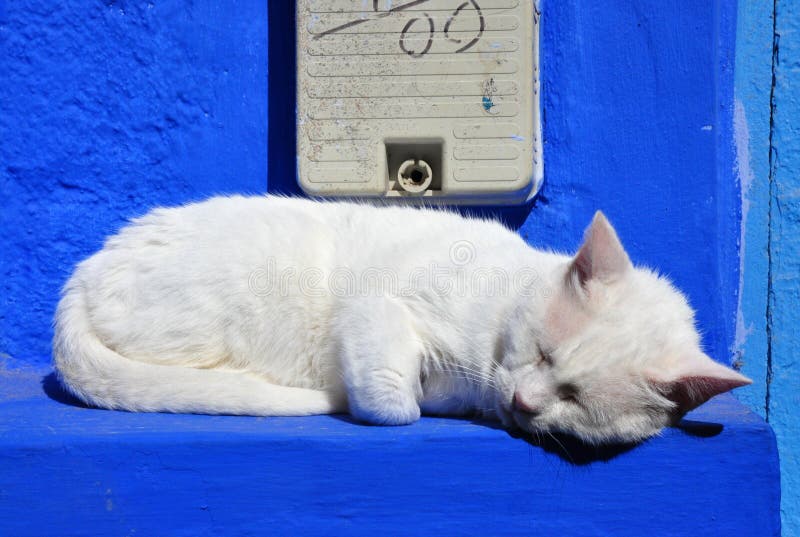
[{"x": 489, "y": 90}]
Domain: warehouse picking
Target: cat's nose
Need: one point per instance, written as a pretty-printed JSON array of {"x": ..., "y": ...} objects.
[{"x": 522, "y": 405}]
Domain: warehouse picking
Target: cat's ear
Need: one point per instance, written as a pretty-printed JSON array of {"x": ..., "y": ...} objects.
[
  {"x": 601, "y": 258},
  {"x": 695, "y": 379}
]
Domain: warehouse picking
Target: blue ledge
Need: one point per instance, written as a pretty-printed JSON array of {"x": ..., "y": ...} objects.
[{"x": 69, "y": 470}]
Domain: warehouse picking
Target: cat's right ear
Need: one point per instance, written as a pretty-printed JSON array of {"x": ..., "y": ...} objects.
[
  {"x": 694, "y": 379},
  {"x": 601, "y": 258}
]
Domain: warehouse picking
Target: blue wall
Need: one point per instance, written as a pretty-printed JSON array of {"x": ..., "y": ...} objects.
[
  {"x": 109, "y": 108},
  {"x": 106, "y": 109},
  {"x": 768, "y": 143},
  {"x": 753, "y": 83},
  {"x": 783, "y": 314}
]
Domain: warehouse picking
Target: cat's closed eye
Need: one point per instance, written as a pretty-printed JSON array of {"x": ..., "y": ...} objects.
[
  {"x": 568, "y": 393},
  {"x": 544, "y": 358}
]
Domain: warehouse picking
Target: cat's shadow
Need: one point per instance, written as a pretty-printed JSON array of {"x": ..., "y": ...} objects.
[
  {"x": 569, "y": 448},
  {"x": 573, "y": 450},
  {"x": 54, "y": 390},
  {"x": 702, "y": 429},
  {"x": 578, "y": 453}
]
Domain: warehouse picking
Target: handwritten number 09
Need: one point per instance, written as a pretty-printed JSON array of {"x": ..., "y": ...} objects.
[
  {"x": 431, "y": 30},
  {"x": 408, "y": 25}
]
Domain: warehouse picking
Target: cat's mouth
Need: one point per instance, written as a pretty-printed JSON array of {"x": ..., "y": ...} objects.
[
  {"x": 541, "y": 431},
  {"x": 534, "y": 425},
  {"x": 526, "y": 421}
]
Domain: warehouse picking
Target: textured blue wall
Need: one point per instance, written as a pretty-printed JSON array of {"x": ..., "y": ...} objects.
[
  {"x": 109, "y": 108},
  {"x": 106, "y": 109},
  {"x": 784, "y": 254},
  {"x": 637, "y": 104},
  {"x": 753, "y": 83},
  {"x": 768, "y": 144}
]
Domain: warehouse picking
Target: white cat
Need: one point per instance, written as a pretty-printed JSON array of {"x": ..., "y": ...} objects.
[{"x": 274, "y": 306}]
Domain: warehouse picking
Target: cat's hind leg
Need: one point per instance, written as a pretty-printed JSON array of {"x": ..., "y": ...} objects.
[
  {"x": 102, "y": 377},
  {"x": 380, "y": 357}
]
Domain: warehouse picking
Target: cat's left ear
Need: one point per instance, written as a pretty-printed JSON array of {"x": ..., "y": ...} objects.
[
  {"x": 694, "y": 380},
  {"x": 601, "y": 257}
]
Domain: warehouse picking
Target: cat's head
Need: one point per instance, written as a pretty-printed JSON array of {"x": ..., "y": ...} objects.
[{"x": 618, "y": 356}]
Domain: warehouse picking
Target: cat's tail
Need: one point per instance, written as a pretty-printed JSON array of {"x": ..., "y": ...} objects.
[{"x": 102, "y": 377}]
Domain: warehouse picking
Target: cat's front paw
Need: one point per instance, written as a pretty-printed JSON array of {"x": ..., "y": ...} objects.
[
  {"x": 388, "y": 412},
  {"x": 384, "y": 404}
]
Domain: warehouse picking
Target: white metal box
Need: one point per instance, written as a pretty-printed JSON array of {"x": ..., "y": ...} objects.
[{"x": 425, "y": 99}]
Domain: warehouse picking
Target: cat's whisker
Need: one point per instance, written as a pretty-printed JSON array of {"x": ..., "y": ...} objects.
[
  {"x": 480, "y": 379},
  {"x": 473, "y": 374},
  {"x": 460, "y": 367},
  {"x": 563, "y": 448},
  {"x": 474, "y": 370}
]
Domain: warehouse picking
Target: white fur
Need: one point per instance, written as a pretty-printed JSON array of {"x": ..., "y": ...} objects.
[{"x": 268, "y": 306}]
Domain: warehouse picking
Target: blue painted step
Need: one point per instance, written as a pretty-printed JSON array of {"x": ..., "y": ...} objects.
[{"x": 69, "y": 470}]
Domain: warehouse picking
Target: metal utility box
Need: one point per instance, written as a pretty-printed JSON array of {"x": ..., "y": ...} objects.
[{"x": 424, "y": 99}]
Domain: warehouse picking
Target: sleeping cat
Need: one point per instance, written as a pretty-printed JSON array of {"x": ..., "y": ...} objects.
[{"x": 275, "y": 306}]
